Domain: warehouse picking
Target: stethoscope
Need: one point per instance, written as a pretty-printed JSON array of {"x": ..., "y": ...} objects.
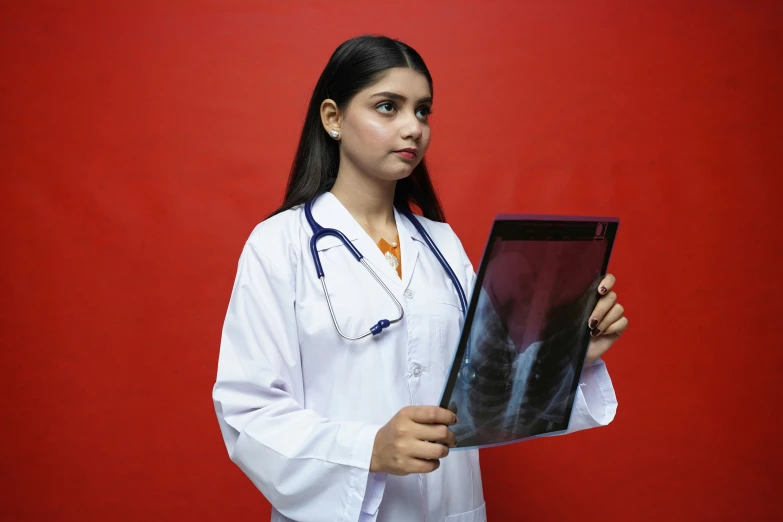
[{"x": 467, "y": 372}]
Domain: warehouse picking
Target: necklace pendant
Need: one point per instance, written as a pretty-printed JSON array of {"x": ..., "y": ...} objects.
[{"x": 392, "y": 259}]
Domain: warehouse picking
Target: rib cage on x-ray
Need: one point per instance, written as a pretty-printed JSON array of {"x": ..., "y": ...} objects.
[{"x": 521, "y": 394}]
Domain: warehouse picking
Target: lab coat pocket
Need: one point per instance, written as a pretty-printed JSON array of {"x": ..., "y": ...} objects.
[{"x": 477, "y": 515}]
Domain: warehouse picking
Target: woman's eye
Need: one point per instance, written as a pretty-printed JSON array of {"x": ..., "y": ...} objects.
[
  {"x": 386, "y": 108},
  {"x": 424, "y": 112}
]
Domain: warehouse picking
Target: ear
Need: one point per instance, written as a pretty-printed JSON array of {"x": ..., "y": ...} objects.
[{"x": 330, "y": 116}]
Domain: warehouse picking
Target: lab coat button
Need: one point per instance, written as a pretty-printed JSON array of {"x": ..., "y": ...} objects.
[
  {"x": 416, "y": 371},
  {"x": 408, "y": 294}
]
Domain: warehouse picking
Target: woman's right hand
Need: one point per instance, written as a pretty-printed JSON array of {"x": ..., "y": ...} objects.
[{"x": 413, "y": 441}]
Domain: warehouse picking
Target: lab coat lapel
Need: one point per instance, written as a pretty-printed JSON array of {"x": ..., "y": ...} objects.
[
  {"x": 330, "y": 213},
  {"x": 409, "y": 247}
]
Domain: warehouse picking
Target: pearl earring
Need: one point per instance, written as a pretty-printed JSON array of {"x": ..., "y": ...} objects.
[{"x": 334, "y": 134}]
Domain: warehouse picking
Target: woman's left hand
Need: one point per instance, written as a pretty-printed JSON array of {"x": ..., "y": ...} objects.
[{"x": 607, "y": 321}]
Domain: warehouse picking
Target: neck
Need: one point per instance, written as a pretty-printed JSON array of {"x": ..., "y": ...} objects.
[{"x": 370, "y": 201}]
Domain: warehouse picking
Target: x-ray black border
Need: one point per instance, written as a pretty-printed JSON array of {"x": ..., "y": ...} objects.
[{"x": 533, "y": 228}]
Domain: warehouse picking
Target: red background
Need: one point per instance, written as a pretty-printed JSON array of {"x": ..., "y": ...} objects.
[{"x": 142, "y": 141}]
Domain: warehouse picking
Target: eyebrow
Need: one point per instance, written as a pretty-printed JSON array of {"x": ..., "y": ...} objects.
[{"x": 398, "y": 97}]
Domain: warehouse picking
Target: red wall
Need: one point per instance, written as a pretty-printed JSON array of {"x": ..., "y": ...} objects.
[{"x": 142, "y": 142}]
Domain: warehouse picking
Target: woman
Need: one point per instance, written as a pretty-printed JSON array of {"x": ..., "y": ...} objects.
[{"x": 331, "y": 429}]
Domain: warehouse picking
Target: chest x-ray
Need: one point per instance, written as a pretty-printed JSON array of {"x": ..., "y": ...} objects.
[{"x": 521, "y": 351}]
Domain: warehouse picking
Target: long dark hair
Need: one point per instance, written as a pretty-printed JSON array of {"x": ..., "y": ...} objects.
[{"x": 355, "y": 65}]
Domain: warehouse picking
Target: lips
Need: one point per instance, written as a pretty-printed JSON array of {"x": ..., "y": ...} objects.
[{"x": 407, "y": 153}]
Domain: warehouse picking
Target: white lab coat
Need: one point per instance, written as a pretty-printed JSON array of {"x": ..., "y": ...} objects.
[{"x": 299, "y": 406}]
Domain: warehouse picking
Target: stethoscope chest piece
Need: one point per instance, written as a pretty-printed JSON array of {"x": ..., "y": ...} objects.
[{"x": 467, "y": 376}]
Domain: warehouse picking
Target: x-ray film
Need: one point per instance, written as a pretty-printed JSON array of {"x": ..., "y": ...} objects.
[{"x": 522, "y": 347}]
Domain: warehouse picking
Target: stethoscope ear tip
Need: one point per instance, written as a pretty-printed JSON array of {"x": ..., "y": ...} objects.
[{"x": 379, "y": 326}]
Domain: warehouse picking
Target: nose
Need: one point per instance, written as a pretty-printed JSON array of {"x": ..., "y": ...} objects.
[{"x": 411, "y": 127}]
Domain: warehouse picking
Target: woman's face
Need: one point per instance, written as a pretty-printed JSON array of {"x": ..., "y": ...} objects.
[{"x": 384, "y": 129}]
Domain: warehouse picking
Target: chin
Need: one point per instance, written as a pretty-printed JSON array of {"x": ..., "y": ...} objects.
[
  {"x": 403, "y": 175},
  {"x": 393, "y": 176},
  {"x": 400, "y": 173},
  {"x": 399, "y": 177}
]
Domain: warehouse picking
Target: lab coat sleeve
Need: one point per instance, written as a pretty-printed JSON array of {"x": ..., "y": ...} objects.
[
  {"x": 309, "y": 468},
  {"x": 595, "y": 404}
]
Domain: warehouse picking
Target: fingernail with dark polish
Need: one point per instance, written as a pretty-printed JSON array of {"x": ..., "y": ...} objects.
[
  {"x": 596, "y": 332},
  {"x": 602, "y": 289},
  {"x": 593, "y": 323}
]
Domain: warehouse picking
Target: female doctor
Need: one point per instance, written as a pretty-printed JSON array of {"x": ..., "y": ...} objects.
[{"x": 337, "y": 425}]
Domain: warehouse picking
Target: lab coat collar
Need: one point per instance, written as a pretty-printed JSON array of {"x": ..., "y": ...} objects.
[{"x": 330, "y": 213}]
